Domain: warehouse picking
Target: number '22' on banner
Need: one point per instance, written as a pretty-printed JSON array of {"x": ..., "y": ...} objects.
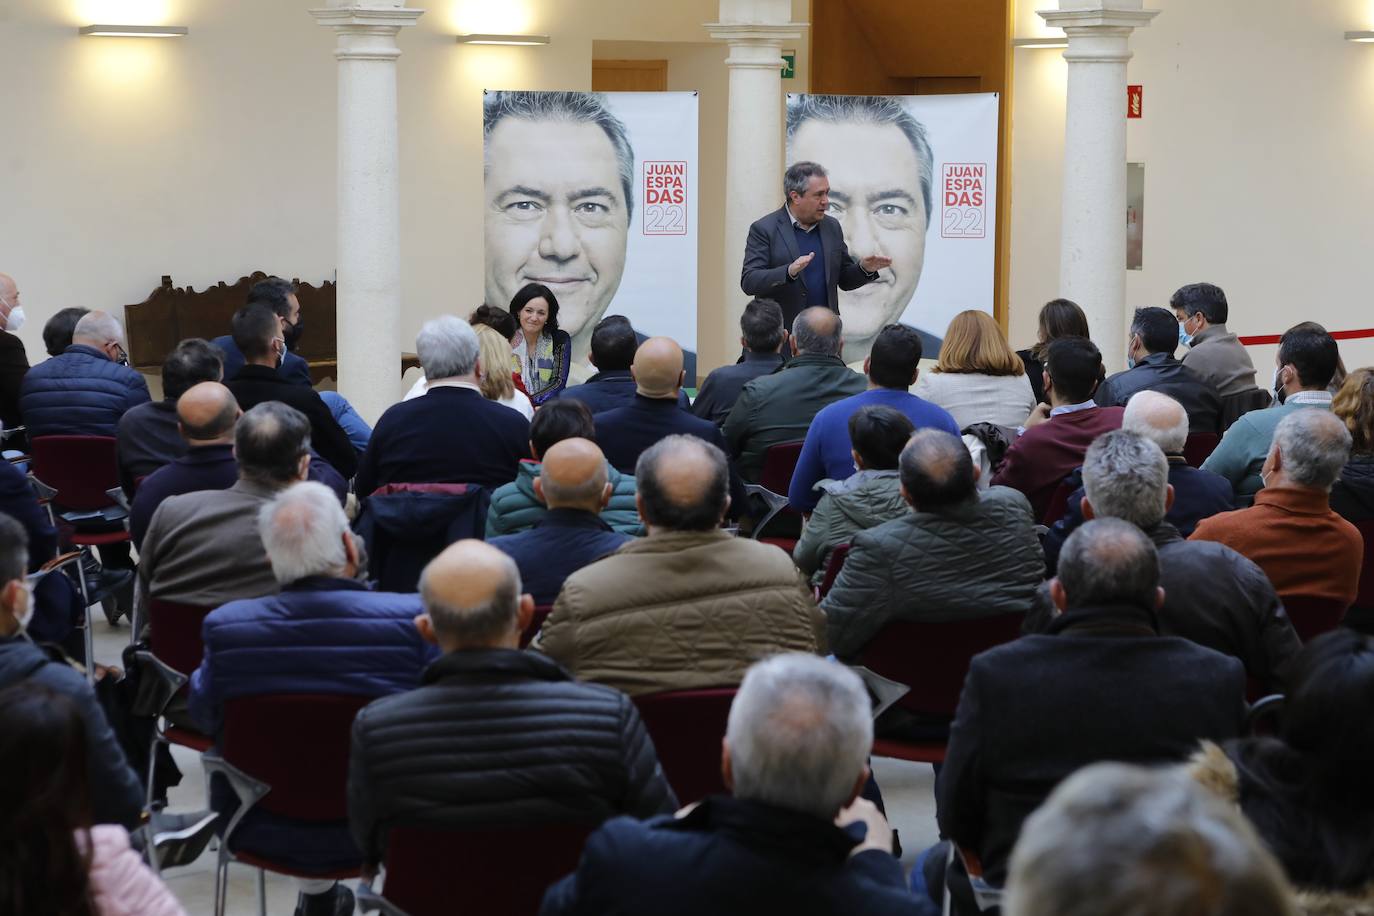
[
  {"x": 963, "y": 189},
  {"x": 665, "y": 198}
]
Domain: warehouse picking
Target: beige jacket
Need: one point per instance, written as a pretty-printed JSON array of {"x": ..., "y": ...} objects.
[{"x": 679, "y": 611}]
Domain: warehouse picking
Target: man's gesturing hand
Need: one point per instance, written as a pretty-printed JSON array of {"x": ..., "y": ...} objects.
[
  {"x": 797, "y": 266},
  {"x": 875, "y": 262}
]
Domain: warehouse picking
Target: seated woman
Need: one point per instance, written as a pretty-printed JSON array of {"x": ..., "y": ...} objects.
[
  {"x": 544, "y": 352},
  {"x": 1058, "y": 318},
  {"x": 496, "y": 383},
  {"x": 978, "y": 378},
  {"x": 1308, "y": 791},
  {"x": 52, "y": 859},
  {"x": 504, "y": 324},
  {"x": 1353, "y": 495},
  {"x": 863, "y": 501}
]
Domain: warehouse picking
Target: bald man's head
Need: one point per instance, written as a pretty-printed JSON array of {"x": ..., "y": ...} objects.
[
  {"x": 683, "y": 485},
  {"x": 657, "y": 368},
  {"x": 936, "y": 471},
  {"x": 1155, "y": 416},
  {"x": 818, "y": 331},
  {"x": 471, "y": 595},
  {"x": 207, "y": 413},
  {"x": 573, "y": 476},
  {"x": 9, "y": 291}
]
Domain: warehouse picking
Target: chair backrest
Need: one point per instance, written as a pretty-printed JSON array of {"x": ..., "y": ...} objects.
[
  {"x": 502, "y": 871},
  {"x": 1235, "y": 406},
  {"x": 933, "y": 658},
  {"x": 79, "y": 468},
  {"x": 1198, "y": 446},
  {"x": 687, "y": 727},
  {"x": 406, "y": 525},
  {"x": 1314, "y": 616},
  {"x": 541, "y": 613},
  {"x": 778, "y": 464},
  {"x": 832, "y": 570},
  {"x": 1058, "y": 504},
  {"x": 174, "y": 633},
  {"x": 297, "y": 743},
  {"x": 1365, "y": 597}
]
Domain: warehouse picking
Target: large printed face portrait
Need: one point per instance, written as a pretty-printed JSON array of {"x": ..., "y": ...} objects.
[
  {"x": 879, "y": 163},
  {"x": 559, "y": 170}
]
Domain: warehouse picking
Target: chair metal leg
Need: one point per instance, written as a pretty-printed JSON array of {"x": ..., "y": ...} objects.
[
  {"x": 86, "y": 625},
  {"x": 152, "y": 766},
  {"x": 221, "y": 879},
  {"x": 150, "y": 850},
  {"x": 262, "y": 892}
]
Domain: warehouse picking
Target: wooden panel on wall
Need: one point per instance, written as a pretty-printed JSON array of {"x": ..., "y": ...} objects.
[{"x": 629, "y": 76}]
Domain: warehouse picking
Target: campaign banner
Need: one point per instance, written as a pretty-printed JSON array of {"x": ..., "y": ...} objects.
[
  {"x": 913, "y": 178},
  {"x": 594, "y": 195}
]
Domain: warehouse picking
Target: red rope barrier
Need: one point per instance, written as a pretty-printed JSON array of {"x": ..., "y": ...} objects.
[{"x": 1262, "y": 339}]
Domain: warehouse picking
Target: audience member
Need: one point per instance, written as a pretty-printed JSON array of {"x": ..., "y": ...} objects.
[
  {"x": 891, "y": 369},
  {"x": 516, "y": 506},
  {"x": 1198, "y": 494},
  {"x": 1151, "y": 367},
  {"x": 203, "y": 548},
  {"x": 1339, "y": 376},
  {"x": 497, "y": 382},
  {"x": 1306, "y": 361},
  {"x": 1306, "y": 789},
  {"x": 543, "y": 349},
  {"x": 58, "y": 330},
  {"x": 206, "y": 416},
  {"x": 1102, "y": 685},
  {"x": 259, "y": 337},
  {"x": 1058, "y": 433},
  {"x": 88, "y": 388},
  {"x": 280, "y": 296},
  {"x": 933, "y": 563},
  {"x": 451, "y": 434},
  {"x": 56, "y": 855},
  {"x": 1058, "y": 318},
  {"x": 779, "y": 407},
  {"x": 871, "y": 496},
  {"x": 763, "y": 335},
  {"x": 1212, "y": 595},
  {"x": 795, "y": 759},
  {"x": 326, "y": 632},
  {"x": 1214, "y": 353},
  {"x": 688, "y": 606},
  {"x": 148, "y": 437},
  {"x": 552, "y": 750},
  {"x": 1352, "y": 496},
  {"x": 501, "y": 321},
  {"x": 613, "y": 347},
  {"x": 571, "y": 534},
  {"x": 14, "y": 360},
  {"x": 978, "y": 378},
  {"x": 1121, "y": 840},
  {"x": 58, "y": 607},
  {"x": 1290, "y": 532}
]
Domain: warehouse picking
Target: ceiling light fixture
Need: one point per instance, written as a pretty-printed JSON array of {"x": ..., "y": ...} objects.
[
  {"x": 1365, "y": 37},
  {"x": 1051, "y": 42},
  {"x": 523, "y": 40},
  {"x": 134, "y": 31}
]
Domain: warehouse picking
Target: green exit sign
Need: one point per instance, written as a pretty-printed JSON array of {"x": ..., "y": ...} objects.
[{"x": 789, "y": 68}]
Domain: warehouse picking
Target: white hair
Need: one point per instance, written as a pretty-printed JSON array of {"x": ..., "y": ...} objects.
[
  {"x": 1126, "y": 476},
  {"x": 447, "y": 346},
  {"x": 302, "y": 529},
  {"x": 100, "y": 326},
  {"x": 800, "y": 731},
  {"x": 1159, "y": 418},
  {"x": 1314, "y": 446}
]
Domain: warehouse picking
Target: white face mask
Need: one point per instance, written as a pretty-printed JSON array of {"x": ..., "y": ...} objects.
[
  {"x": 27, "y": 615},
  {"x": 15, "y": 321}
]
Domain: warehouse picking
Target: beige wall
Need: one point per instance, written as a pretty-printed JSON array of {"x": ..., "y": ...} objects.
[
  {"x": 213, "y": 155},
  {"x": 1258, "y": 121}
]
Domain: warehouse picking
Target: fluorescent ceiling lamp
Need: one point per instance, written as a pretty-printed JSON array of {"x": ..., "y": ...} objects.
[
  {"x": 1051, "y": 42},
  {"x": 503, "y": 39},
  {"x": 134, "y": 31},
  {"x": 1359, "y": 36}
]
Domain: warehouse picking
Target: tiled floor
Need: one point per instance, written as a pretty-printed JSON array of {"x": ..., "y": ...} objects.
[{"x": 907, "y": 790}]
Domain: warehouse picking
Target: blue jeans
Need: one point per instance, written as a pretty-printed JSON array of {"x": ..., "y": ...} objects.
[{"x": 359, "y": 433}]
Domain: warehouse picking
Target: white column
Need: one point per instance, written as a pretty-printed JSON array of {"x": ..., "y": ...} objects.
[
  {"x": 1092, "y": 266},
  {"x": 754, "y": 141},
  {"x": 369, "y": 239}
]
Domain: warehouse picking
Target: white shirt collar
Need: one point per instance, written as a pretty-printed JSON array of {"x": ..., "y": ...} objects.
[
  {"x": 1309, "y": 397},
  {"x": 1073, "y": 408},
  {"x": 795, "y": 224}
]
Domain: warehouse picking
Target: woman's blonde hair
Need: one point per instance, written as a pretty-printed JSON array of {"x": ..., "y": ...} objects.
[
  {"x": 1354, "y": 404},
  {"x": 495, "y": 350},
  {"x": 974, "y": 343}
]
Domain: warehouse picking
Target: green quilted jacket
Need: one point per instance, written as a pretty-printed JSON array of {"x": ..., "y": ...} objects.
[{"x": 514, "y": 507}]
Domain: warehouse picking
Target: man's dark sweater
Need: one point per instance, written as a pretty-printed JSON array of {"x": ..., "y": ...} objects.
[{"x": 255, "y": 384}]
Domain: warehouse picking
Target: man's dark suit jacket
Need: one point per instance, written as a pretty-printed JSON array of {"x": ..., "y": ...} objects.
[
  {"x": 1101, "y": 685},
  {"x": 1161, "y": 372},
  {"x": 447, "y": 435},
  {"x": 722, "y": 387},
  {"x": 772, "y": 246},
  {"x": 611, "y": 389},
  {"x": 293, "y": 369},
  {"x": 559, "y": 544},
  {"x": 147, "y": 439},
  {"x": 255, "y": 384},
  {"x": 14, "y": 362}
]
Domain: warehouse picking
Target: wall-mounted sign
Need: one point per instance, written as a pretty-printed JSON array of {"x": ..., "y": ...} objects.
[
  {"x": 1135, "y": 100},
  {"x": 789, "y": 67}
]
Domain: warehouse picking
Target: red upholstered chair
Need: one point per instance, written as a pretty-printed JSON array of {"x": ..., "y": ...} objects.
[
  {"x": 832, "y": 570},
  {"x": 1313, "y": 616},
  {"x": 687, "y": 727},
  {"x": 501, "y": 871},
  {"x": 541, "y": 613},
  {"x": 1198, "y": 446},
  {"x": 1058, "y": 504},
  {"x": 779, "y": 462},
  {"x": 82, "y": 470},
  {"x": 286, "y": 754},
  {"x": 933, "y": 660}
]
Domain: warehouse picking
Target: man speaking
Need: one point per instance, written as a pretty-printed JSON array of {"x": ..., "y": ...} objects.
[{"x": 796, "y": 255}]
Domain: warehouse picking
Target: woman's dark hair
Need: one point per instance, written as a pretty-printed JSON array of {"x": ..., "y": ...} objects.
[
  {"x": 563, "y": 418},
  {"x": 879, "y": 434},
  {"x": 1309, "y": 791},
  {"x": 1058, "y": 318},
  {"x": 536, "y": 291},
  {"x": 503, "y": 321},
  {"x": 46, "y": 799}
]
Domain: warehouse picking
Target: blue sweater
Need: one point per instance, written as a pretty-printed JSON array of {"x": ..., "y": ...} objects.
[
  {"x": 826, "y": 452},
  {"x": 813, "y": 276}
]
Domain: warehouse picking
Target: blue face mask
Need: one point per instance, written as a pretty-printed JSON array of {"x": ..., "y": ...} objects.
[
  {"x": 1184, "y": 338},
  {"x": 1130, "y": 362}
]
